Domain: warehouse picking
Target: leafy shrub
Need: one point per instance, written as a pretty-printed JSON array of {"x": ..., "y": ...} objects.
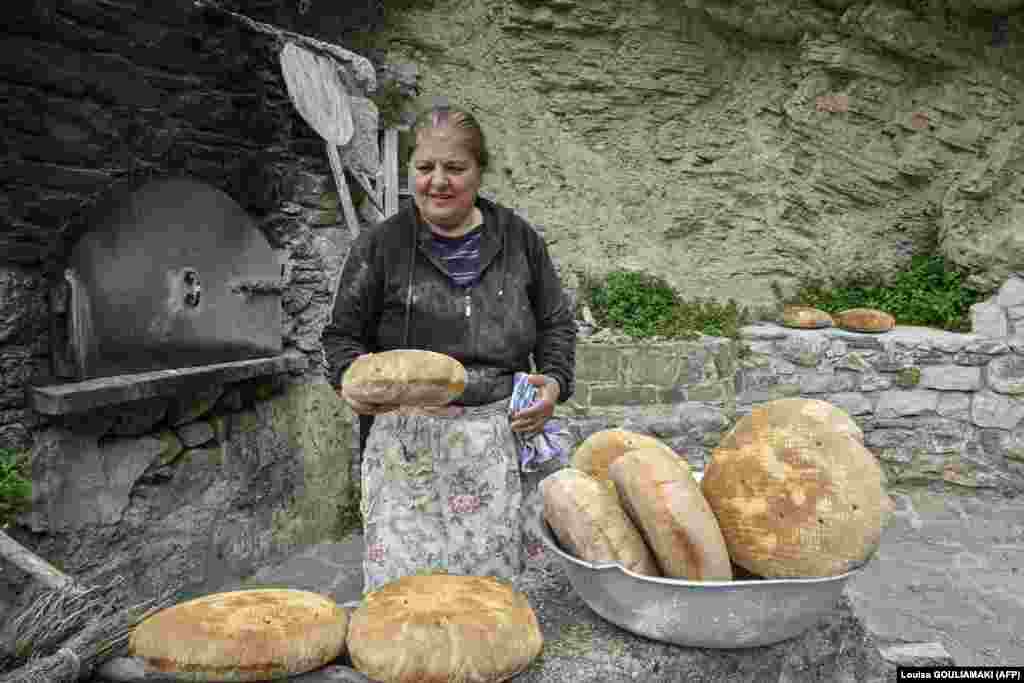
[
  {"x": 643, "y": 306},
  {"x": 15, "y": 487},
  {"x": 930, "y": 292}
]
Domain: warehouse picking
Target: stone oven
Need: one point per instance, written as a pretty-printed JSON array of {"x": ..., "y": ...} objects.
[{"x": 175, "y": 275}]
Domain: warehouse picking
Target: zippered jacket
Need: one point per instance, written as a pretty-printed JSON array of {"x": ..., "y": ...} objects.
[{"x": 394, "y": 293}]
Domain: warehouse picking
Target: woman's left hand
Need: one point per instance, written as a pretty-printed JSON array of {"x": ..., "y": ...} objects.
[{"x": 532, "y": 419}]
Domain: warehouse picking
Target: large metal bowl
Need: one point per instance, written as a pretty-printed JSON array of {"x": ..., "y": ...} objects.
[{"x": 716, "y": 614}]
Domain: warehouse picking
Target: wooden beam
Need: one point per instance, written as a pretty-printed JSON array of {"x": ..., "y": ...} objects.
[{"x": 390, "y": 172}]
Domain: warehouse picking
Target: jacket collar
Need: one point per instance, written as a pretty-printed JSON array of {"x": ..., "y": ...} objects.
[{"x": 495, "y": 224}]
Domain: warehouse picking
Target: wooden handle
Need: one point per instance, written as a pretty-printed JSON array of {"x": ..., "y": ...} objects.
[{"x": 23, "y": 558}]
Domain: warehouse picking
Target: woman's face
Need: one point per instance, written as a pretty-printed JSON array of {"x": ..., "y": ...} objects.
[{"x": 447, "y": 177}]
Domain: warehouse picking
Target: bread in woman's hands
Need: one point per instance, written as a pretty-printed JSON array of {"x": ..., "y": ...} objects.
[{"x": 405, "y": 377}]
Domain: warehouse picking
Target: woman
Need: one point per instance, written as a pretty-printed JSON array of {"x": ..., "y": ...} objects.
[{"x": 456, "y": 274}]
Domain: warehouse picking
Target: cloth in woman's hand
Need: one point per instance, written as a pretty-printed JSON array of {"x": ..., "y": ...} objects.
[{"x": 553, "y": 441}]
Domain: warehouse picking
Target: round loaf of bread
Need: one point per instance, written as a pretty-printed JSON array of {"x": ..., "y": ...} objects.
[
  {"x": 599, "y": 450},
  {"x": 588, "y": 520},
  {"x": 660, "y": 495},
  {"x": 251, "y": 635},
  {"x": 796, "y": 493},
  {"x": 865, "y": 320},
  {"x": 442, "y": 627},
  {"x": 805, "y": 317},
  {"x": 405, "y": 377}
]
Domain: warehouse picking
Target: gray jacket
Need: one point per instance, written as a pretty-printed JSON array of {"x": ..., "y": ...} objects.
[{"x": 394, "y": 294}]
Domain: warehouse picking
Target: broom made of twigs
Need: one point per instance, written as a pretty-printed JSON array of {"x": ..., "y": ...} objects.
[
  {"x": 98, "y": 641},
  {"x": 63, "y": 609}
]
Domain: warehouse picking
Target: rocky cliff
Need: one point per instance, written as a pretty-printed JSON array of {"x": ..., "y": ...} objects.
[{"x": 723, "y": 145}]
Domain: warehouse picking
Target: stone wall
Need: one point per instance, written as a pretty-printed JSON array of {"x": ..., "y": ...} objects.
[
  {"x": 99, "y": 97},
  {"x": 723, "y": 145},
  {"x": 935, "y": 406},
  {"x": 190, "y": 490}
]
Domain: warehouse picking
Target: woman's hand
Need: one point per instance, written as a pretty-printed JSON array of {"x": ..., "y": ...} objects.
[
  {"x": 361, "y": 408},
  {"x": 532, "y": 419}
]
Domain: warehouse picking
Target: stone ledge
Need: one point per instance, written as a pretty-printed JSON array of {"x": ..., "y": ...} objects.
[{"x": 78, "y": 397}]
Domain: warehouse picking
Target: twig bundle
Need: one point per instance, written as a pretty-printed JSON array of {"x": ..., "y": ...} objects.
[
  {"x": 53, "y": 617},
  {"x": 99, "y": 640}
]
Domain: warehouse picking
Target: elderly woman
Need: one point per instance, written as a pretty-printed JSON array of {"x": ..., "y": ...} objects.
[{"x": 443, "y": 489}]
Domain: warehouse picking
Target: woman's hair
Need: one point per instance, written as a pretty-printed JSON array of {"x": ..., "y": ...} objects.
[{"x": 441, "y": 116}]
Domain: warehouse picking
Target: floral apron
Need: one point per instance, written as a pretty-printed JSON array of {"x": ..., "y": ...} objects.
[{"x": 444, "y": 493}]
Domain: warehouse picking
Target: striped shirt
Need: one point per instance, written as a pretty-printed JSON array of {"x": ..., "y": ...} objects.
[{"x": 460, "y": 255}]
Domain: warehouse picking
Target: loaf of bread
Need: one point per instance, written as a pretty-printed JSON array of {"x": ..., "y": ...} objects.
[
  {"x": 405, "y": 377},
  {"x": 796, "y": 493},
  {"x": 599, "y": 450},
  {"x": 444, "y": 627},
  {"x": 663, "y": 499},
  {"x": 588, "y": 520},
  {"x": 249, "y": 635}
]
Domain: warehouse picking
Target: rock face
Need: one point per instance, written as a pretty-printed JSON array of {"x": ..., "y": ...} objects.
[{"x": 723, "y": 145}]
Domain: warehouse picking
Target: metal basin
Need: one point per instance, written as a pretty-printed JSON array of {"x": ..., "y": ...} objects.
[{"x": 715, "y": 614}]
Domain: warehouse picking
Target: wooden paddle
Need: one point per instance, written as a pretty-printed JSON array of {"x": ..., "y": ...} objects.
[{"x": 318, "y": 94}]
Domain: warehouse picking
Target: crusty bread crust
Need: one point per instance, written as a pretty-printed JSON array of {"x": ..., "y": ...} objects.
[
  {"x": 405, "y": 377},
  {"x": 599, "y": 450},
  {"x": 663, "y": 499},
  {"x": 796, "y": 493},
  {"x": 441, "y": 627},
  {"x": 589, "y": 522},
  {"x": 251, "y": 635}
]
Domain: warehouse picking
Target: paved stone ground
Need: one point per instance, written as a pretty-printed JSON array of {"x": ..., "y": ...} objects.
[{"x": 950, "y": 570}]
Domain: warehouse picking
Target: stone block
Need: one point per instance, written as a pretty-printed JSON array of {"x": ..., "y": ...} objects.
[
  {"x": 763, "y": 332},
  {"x": 172, "y": 447},
  {"x": 954, "y": 405},
  {"x": 897, "y": 403},
  {"x": 932, "y": 654},
  {"x": 972, "y": 359},
  {"x": 616, "y": 395},
  {"x": 195, "y": 433},
  {"x": 138, "y": 417},
  {"x": 1011, "y": 293},
  {"x": 989, "y": 347},
  {"x": 79, "y": 481},
  {"x": 951, "y": 378},
  {"x": 711, "y": 392},
  {"x": 1005, "y": 375},
  {"x": 598, "y": 363},
  {"x": 805, "y": 349},
  {"x": 1015, "y": 313},
  {"x": 989, "y": 320},
  {"x": 889, "y": 438},
  {"x": 654, "y": 367},
  {"x": 193, "y": 406},
  {"x": 873, "y": 381},
  {"x": 996, "y": 410},
  {"x": 908, "y": 378},
  {"x": 853, "y": 402},
  {"x": 1003, "y": 443},
  {"x": 858, "y": 362}
]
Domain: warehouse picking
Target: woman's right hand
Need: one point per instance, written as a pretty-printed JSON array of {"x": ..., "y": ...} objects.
[{"x": 361, "y": 408}]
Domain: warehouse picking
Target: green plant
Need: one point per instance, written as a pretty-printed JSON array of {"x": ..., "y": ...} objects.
[
  {"x": 643, "y": 306},
  {"x": 15, "y": 487},
  {"x": 929, "y": 292}
]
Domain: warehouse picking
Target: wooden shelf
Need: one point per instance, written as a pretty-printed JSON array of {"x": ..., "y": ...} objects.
[{"x": 77, "y": 397}]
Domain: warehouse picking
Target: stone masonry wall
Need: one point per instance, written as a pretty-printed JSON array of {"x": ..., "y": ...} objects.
[
  {"x": 935, "y": 406},
  {"x": 98, "y": 97},
  {"x": 190, "y": 490}
]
